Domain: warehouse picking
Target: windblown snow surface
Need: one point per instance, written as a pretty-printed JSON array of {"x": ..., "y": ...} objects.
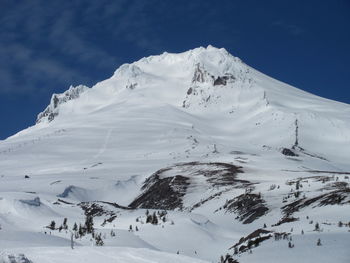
[{"x": 226, "y": 163}]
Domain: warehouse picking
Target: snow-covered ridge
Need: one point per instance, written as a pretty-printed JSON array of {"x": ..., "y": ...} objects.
[
  {"x": 203, "y": 77},
  {"x": 211, "y": 83},
  {"x": 52, "y": 109}
]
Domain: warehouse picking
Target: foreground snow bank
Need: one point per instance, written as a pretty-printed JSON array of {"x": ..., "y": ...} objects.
[{"x": 93, "y": 255}]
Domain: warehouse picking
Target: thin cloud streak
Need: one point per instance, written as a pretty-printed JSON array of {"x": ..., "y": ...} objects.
[
  {"x": 289, "y": 28},
  {"x": 47, "y": 33},
  {"x": 68, "y": 40}
]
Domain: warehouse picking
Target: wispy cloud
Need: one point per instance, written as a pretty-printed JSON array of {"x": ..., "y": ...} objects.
[
  {"x": 291, "y": 29},
  {"x": 54, "y": 43},
  {"x": 42, "y": 40},
  {"x": 135, "y": 25}
]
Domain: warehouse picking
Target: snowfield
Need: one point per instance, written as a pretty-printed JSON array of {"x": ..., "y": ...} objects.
[
  {"x": 93, "y": 254},
  {"x": 190, "y": 157}
]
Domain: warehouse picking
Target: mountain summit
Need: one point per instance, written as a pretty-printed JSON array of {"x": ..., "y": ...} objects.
[
  {"x": 211, "y": 83},
  {"x": 193, "y": 153}
]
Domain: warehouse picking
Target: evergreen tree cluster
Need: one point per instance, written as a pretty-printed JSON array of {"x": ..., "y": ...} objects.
[
  {"x": 79, "y": 231},
  {"x": 98, "y": 240},
  {"x": 156, "y": 217},
  {"x": 64, "y": 225}
]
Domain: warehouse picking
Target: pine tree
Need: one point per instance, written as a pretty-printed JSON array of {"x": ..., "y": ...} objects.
[
  {"x": 98, "y": 240},
  {"x": 89, "y": 224},
  {"x": 319, "y": 242},
  {"x": 149, "y": 219},
  {"x": 154, "y": 219},
  {"x": 81, "y": 231},
  {"x": 52, "y": 225},
  {"x": 64, "y": 225},
  {"x": 75, "y": 227},
  {"x": 317, "y": 227},
  {"x": 250, "y": 243}
]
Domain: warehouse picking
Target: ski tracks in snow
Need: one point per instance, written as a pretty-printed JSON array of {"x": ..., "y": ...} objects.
[{"x": 104, "y": 145}]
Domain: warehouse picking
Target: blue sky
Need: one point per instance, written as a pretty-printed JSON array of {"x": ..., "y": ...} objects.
[{"x": 47, "y": 45}]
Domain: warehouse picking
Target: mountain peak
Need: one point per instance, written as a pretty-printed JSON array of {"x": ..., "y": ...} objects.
[
  {"x": 209, "y": 56},
  {"x": 203, "y": 80}
]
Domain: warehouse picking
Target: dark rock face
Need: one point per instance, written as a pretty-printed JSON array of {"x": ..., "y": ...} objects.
[
  {"x": 286, "y": 220},
  {"x": 166, "y": 188},
  {"x": 101, "y": 208},
  {"x": 94, "y": 209},
  {"x": 200, "y": 75},
  {"x": 55, "y": 101},
  {"x": 222, "y": 80},
  {"x": 20, "y": 258},
  {"x": 32, "y": 202},
  {"x": 252, "y": 240},
  {"x": 68, "y": 190},
  {"x": 52, "y": 110},
  {"x": 249, "y": 207},
  {"x": 131, "y": 86},
  {"x": 163, "y": 193},
  {"x": 51, "y": 116},
  {"x": 219, "y": 174},
  {"x": 288, "y": 152},
  {"x": 336, "y": 197}
]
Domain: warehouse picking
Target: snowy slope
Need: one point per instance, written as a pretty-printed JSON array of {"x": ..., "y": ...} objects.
[
  {"x": 92, "y": 255},
  {"x": 220, "y": 146}
]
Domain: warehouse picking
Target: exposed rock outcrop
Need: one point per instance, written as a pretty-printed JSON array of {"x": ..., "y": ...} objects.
[
  {"x": 249, "y": 207},
  {"x": 52, "y": 109},
  {"x": 166, "y": 188}
]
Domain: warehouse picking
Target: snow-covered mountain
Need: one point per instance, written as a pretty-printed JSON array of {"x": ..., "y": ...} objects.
[{"x": 178, "y": 158}]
